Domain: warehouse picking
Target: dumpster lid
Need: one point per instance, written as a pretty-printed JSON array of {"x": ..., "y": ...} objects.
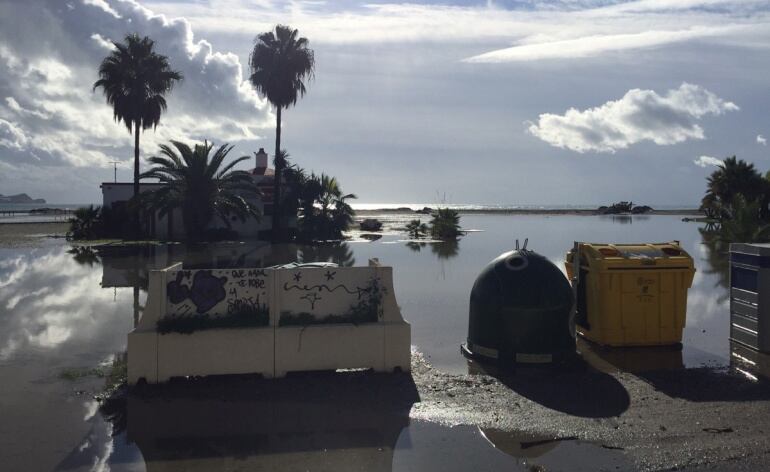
[{"x": 634, "y": 251}]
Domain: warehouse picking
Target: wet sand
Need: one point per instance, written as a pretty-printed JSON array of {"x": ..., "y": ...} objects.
[{"x": 14, "y": 235}]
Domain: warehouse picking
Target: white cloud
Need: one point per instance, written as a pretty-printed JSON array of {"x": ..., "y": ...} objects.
[
  {"x": 11, "y": 136},
  {"x": 706, "y": 161},
  {"x": 540, "y": 28},
  {"x": 50, "y": 114},
  {"x": 640, "y": 115},
  {"x": 595, "y": 44},
  {"x": 761, "y": 140},
  {"x": 101, "y": 41}
]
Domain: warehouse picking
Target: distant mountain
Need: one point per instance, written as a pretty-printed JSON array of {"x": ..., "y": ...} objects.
[{"x": 20, "y": 198}]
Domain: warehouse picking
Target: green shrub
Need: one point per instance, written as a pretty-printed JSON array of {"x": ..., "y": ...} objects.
[
  {"x": 416, "y": 229},
  {"x": 445, "y": 224},
  {"x": 86, "y": 223},
  {"x": 245, "y": 315}
]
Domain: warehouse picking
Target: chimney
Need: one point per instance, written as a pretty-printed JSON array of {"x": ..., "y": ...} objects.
[{"x": 261, "y": 158}]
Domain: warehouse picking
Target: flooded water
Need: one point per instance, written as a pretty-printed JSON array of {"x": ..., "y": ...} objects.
[{"x": 64, "y": 311}]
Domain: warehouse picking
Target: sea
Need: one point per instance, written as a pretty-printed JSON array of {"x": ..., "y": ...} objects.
[
  {"x": 500, "y": 207},
  {"x": 20, "y": 212}
]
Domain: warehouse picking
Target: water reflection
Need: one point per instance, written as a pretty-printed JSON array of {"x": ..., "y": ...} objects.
[
  {"x": 716, "y": 251},
  {"x": 129, "y": 265},
  {"x": 50, "y": 304},
  {"x": 61, "y": 309},
  {"x": 557, "y": 452},
  {"x": 323, "y": 421},
  {"x": 338, "y": 252},
  {"x": 84, "y": 255},
  {"x": 441, "y": 249}
]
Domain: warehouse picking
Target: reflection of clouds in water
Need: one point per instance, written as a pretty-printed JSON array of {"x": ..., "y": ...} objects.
[
  {"x": 703, "y": 306},
  {"x": 95, "y": 449},
  {"x": 52, "y": 303}
]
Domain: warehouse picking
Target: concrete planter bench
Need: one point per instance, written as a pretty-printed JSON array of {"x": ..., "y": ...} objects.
[{"x": 313, "y": 295}]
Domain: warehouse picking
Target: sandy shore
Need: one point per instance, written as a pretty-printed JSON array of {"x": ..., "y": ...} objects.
[{"x": 30, "y": 234}]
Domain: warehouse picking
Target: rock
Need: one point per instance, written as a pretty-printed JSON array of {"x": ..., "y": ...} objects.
[
  {"x": 638, "y": 210},
  {"x": 425, "y": 211},
  {"x": 20, "y": 198},
  {"x": 371, "y": 224}
]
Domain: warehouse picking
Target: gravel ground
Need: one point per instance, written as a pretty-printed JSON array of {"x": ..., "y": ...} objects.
[{"x": 695, "y": 419}]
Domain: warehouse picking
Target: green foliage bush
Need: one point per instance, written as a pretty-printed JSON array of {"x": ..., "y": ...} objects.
[
  {"x": 416, "y": 229},
  {"x": 445, "y": 224}
]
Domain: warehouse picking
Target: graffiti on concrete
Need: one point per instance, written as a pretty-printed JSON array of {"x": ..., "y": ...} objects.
[{"x": 206, "y": 291}]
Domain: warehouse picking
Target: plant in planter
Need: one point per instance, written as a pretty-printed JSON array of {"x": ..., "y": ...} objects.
[{"x": 242, "y": 314}]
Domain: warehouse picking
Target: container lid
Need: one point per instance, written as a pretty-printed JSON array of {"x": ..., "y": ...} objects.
[
  {"x": 760, "y": 249},
  {"x": 610, "y": 251}
]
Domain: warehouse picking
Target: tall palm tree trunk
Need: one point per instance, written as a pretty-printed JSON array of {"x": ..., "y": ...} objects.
[
  {"x": 137, "y": 219},
  {"x": 277, "y": 232}
]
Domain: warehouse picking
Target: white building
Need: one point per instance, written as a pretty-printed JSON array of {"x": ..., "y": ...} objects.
[{"x": 116, "y": 194}]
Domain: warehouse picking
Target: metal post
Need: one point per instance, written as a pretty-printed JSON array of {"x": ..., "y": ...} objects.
[
  {"x": 115, "y": 168},
  {"x": 575, "y": 282}
]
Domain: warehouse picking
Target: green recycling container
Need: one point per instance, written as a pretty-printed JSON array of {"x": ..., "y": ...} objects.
[{"x": 521, "y": 311}]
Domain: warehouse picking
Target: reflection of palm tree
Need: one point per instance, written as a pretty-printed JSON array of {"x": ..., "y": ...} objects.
[
  {"x": 279, "y": 63},
  {"x": 744, "y": 224},
  {"x": 446, "y": 249},
  {"x": 84, "y": 255},
  {"x": 337, "y": 252},
  {"x": 415, "y": 246},
  {"x": 717, "y": 258}
]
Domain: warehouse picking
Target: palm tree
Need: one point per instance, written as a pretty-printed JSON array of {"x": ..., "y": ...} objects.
[
  {"x": 135, "y": 79},
  {"x": 336, "y": 214},
  {"x": 86, "y": 223},
  {"x": 445, "y": 224},
  {"x": 416, "y": 229},
  {"x": 279, "y": 63},
  {"x": 734, "y": 177},
  {"x": 200, "y": 186}
]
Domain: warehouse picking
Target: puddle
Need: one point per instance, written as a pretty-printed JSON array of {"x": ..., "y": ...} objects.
[
  {"x": 549, "y": 453},
  {"x": 172, "y": 433}
]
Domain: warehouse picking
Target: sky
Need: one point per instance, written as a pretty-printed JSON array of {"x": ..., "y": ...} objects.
[{"x": 499, "y": 102}]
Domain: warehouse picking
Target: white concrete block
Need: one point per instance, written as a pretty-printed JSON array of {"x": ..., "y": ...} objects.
[
  {"x": 398, "y": 349},
  {"x": 216, "y": 352},
  {"x": 142, "y": 356},
  {"x": 329, "y": 347}
]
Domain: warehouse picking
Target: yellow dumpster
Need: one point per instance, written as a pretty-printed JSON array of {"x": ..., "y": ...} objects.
[{"x": 630, "y": 294}]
